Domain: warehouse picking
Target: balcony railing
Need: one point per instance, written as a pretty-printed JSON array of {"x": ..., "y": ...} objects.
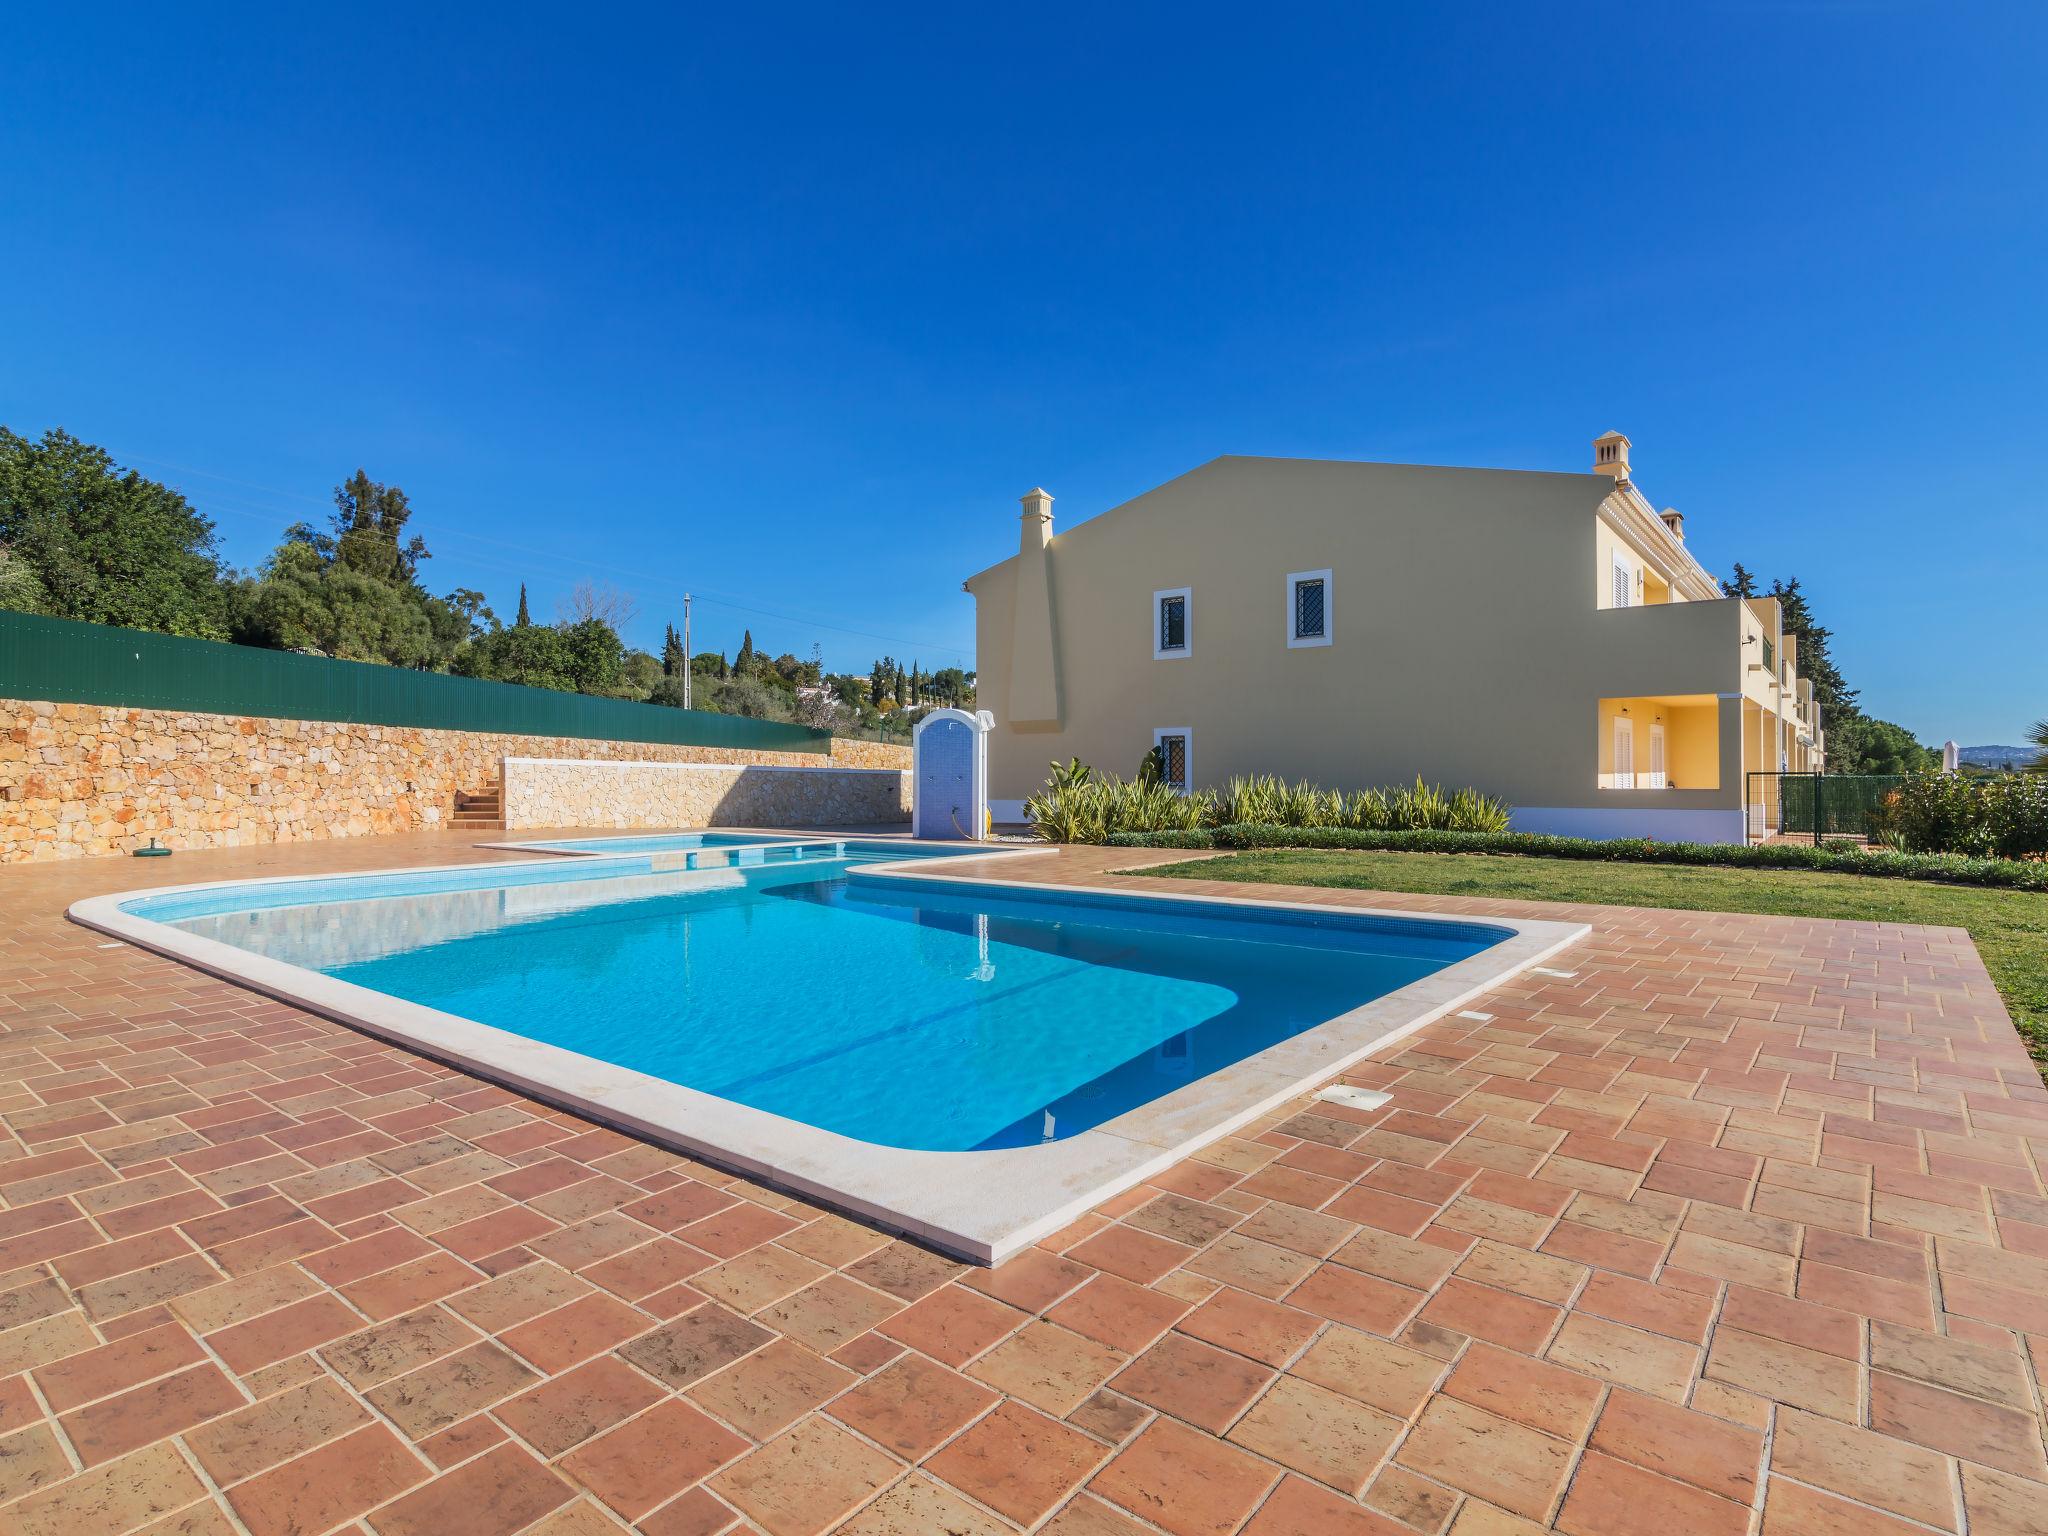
[
  {"x": 1634, "y": 781},
  {"x": 1770, "y": 655}
]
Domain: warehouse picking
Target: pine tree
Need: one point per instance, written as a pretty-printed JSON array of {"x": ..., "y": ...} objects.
[
  {"x": 524, "y": 618},
  {"x": 1742, "y": 584},
  {"x": 1830, "y": 690}
]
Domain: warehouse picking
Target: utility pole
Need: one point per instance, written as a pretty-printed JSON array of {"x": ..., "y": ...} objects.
[{"x": 688, "y": 667}]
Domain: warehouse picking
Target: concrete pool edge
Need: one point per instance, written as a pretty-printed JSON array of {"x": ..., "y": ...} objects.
[{"x": 982, "y": 1206}]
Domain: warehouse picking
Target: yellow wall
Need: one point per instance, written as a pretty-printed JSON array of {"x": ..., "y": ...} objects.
[{"x": 1464, "y": 644}]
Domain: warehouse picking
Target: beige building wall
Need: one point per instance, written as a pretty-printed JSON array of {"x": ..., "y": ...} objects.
[{"x": 1472, "y": 639}]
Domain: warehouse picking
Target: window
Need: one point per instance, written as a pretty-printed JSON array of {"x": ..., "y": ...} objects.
[
  {"x": 1624, "y": 752},
  {"x": 1174, "y": 743},
  {"x": 1624, "y": 583},
  {"x": 1655, "y": 778},
  {"x": 1308, "y": 609},
  {"x": 1172, "y": 633}
]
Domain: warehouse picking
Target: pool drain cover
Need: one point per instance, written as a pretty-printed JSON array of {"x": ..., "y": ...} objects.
[{"x": 1355, "y": 1098}]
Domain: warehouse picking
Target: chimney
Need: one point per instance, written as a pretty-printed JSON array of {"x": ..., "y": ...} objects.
[
  {"x": 1610, "y": 456},
  {"x": 1675, "y": 521},
  {"x": 1037, "y": 521}
]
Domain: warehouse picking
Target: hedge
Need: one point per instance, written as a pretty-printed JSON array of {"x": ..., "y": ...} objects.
[{"x": 1953, "y": 869}]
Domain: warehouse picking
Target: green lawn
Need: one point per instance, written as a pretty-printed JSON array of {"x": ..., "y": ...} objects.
[{"x": 2010, "y": 927}]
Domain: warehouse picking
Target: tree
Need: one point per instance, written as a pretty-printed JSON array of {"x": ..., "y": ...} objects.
[
  {"x": 1858, "y": 744},
  {"x": 1830, "y": 691},
  {"x": 355, "y": 593},
  {"x": 743, "y": 663},
  {"x": 1742, "y": 584},
  {"x": 525, "y": 617},
  {"x": 598, "y": 600},
  {"x": 673, "y": 661},
  {"x": 302, "y": 602},
  {"x": 470, "y": 607},
  {"x": 369, "y": 530},
  {"x": 2038, "y": 735},
  {"x": 105, "y": 545}
]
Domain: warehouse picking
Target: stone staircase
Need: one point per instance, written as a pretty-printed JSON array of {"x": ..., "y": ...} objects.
[{"x": 479, "y": 812}]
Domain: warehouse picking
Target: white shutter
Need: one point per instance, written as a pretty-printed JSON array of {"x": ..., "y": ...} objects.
[
  {"x": 1624, "y": 753},
  {"x": 1656, "y": 776},
  {"x": 1624, "y": 585}
]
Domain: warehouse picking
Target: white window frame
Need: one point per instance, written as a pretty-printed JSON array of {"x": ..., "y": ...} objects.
[
  {"x": 1658, "y": 775},
  {"x": 1624, "y": 734},
  {"x": 1187, "y": 623},
  {"x": 1187, "y": 755},
  {"x": 1297, "y": 642},
  {"x": 1627, "y": 577}
]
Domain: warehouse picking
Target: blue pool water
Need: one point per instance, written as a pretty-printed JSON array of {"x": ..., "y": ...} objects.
[{"x": 912, "y": 1013}]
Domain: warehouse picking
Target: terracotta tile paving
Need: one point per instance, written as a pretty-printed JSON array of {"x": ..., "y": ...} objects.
[{"x": 1731, "y": 1225}]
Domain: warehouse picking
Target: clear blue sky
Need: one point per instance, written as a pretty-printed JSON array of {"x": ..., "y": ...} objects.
[{"x": 789, "y": 306}]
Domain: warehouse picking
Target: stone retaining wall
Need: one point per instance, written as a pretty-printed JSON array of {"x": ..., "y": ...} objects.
[
  {"x": 79, "y": 779},
  {"x": 558, "y": 793}
]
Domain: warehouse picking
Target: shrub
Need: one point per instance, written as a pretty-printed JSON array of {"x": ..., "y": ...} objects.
[
  {"x": 1269, "y": 801},
  {"x": 1949, "y": 868},
  {"x": 2006, "y": 817}
]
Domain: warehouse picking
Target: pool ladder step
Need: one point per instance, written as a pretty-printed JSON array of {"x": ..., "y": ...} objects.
[{"x": 483, "y": 810}]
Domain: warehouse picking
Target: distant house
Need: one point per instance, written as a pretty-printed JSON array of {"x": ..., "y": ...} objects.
[{"x": 1545, "y": 637}]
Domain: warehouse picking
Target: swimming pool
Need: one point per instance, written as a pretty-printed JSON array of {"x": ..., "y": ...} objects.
[{"x": 852, "y": 1008}]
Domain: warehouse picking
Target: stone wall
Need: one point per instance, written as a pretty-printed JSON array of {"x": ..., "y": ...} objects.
[
  {"x": 79, "y": 779},
  {"x": 557, "y": 793}
]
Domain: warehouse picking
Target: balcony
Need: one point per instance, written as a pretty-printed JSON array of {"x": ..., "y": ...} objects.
[{"x": 1662, "y": 742}]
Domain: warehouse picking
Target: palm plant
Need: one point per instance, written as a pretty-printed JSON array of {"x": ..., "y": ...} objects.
[{"x": 2038, "y": 735}]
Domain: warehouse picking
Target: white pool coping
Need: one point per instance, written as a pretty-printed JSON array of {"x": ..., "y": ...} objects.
[{"x": 980, "y": 1206}]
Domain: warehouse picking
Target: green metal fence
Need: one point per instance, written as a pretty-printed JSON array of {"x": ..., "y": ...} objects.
[
  {"x": 1819, "y": 805},
  {"x": 68, "y": 662}
]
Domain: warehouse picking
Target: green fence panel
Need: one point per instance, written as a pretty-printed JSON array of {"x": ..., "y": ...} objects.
[
  {"x": 1832, "y": 804},
  {"x": 67, "y": 662}
]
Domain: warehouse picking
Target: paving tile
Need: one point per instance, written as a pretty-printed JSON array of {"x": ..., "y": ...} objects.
[
  {"x": 1322, "y": 1434},
  {"x": 1832, "y": 1123},
  {"x": 917, "y": 1506},
  {"x": 1793, "y": 1509},
  {"x": 1968, "y": 1427},
  {"x": 1385, "y": 1376},
  {"x": 96, "y": 1373},
  {"x": 1502, "y": 1462},
  {"x": 772, "y": 1388},
  {"x": 1866, "y": 1466},
  {"x": 1610, "y": 1498},
  {"x": 1530, "y": 1392},
  {"x": 587, "y": 1326},
  {"x": 694, "y": 1345},
  {"x": 566, "y": 1410},
  {"x": 1628, "y": 1357},
  {"x": 1676, "y": 1443},
  {"x": 500, "y": 1492},
  {"x": 1785, "y": 1373},
  {"x": 1184, "y": 1482},
  {"x": 912, "y": 1406},
  {"x": 171, "y": 1405},
  {"x": 451, "y": 1388},
  {"x": 1196, "y": 1382},
  {"x": 642, "y": 1463},
  {"x": 1047, "y": 1366},
  {"x": 328, "y": 1485},
  {"x": 1113, "y": 1311},
  {"x": 275, "y": 1429},
  {"x": 806, "y": 1480},
  {"x": 405, "y": 1343},
  {"x": 953, "y": 1325},
  {"x": 118, "y": 1496}
]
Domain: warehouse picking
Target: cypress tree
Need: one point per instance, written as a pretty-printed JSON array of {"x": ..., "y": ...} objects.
[{"x": 524, "y": 618}]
